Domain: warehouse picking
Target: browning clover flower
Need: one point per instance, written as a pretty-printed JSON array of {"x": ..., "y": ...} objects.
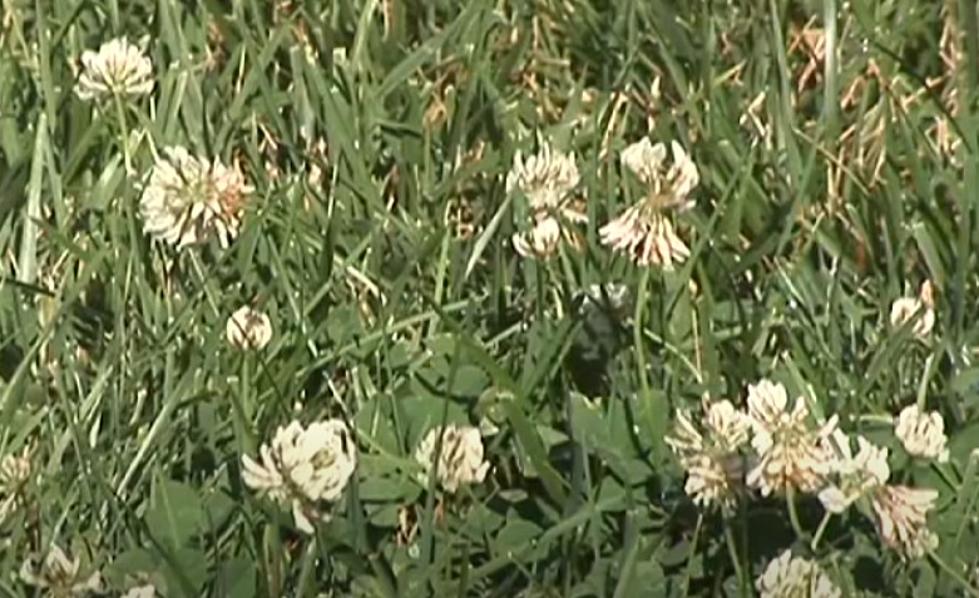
[
  {"x": 922, "y": 434},
  {"x": 791, "y": 453},
  {"x": 906, "y": 309},
  {"x": 460, "y": 459},
  {"x": 248, "y": 328},
  {"x": 59, "y": 575},
  {"x": 795, "y": 577},
  {"x": 643, "y": 230},
  {"x": 118, "y": 68},
  {"x": 902, "y": 519},
  {"x": 858, "y": 476},
  {"x": 713, "y": 465},
  {"x": 189, "y": 200},
  {"x": 303, "y": 467},
  {"x": 546, "y": 181}
]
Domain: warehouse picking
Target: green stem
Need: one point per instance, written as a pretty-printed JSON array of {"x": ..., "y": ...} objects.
[
  {"x": 735, "y": 559},
  {"x": 953, "y": 574},
  {"x": 123, "y": 132},
  {"x": 819, "y": 531},
  {"x": 693, "y": 550},
  {"x": 793, "y": 514}
]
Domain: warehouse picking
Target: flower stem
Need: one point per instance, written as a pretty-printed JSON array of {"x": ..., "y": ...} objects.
[
  {"x": 972, "y": 591},
  {"x": 793, "y": 514},
  {"x": 123, "y": 133},
  {"x": 693, "y": 550},
  {"x": 820, "y": 530},
  {"x": 735, "y": 559}
]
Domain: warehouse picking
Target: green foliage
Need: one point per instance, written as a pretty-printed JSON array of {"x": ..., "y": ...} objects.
[{"x": 377, "y": 136}]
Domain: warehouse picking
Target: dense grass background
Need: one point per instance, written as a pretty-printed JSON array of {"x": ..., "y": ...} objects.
[{"x": 377, "y": 135}]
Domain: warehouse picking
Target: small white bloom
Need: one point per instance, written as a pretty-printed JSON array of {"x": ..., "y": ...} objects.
[
  {"x": 304, "y": 466},
  {"x": 546, "y": 181},
  {"x": 858, "y": 476},
  {"x": 118, "y": 68},
  {"x": 248, "y": 328},
  {"x": 715, "y": 472},
  {"x": 795, "y": 577},
  {"x": 460, "y": 458},
  {"x": 791, "y": 452},
  {"x": 902, "y": 519},
  {"x": 15, "y": 471},
  {"x": 59, "y": 574},
  {"x": 906, "y": 309},
  {"x": 643, "y": 231},
  {"x": 922, "y": 434},
  {"x": 189, "y": 200},
  {"x": 545, "y": 178},
  {"x": 147, "y": 591}
]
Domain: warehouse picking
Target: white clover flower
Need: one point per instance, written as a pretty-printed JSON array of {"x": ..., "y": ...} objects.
[
  {"x": 906, "y": 309},
  {"x": 146, "y": 591},
  {"x": 460, "y": 460},
  {"x": 902, "y": 519},
  {"x": 546, "y": 181},
  {"x": 303, "y": 467},
  {"x": 714, "y": 467},
  {"x": 59, "y": 575},
  {"x": 545, "y": 178},
  {"x": 15, "y": 471},
  {"x": 118, "y": 68},
  {"x": 858, "y": 476},
  {"x": 248, "y": 328},
  {"x": 643, "y": 231},
  {"x": 189, "y": 200},
  {"x": 795, "y": 577},
  {"x": 922, "y": 434},
  {"x": 791, "y": 453}
]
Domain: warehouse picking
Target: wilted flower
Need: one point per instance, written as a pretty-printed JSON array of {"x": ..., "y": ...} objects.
[
  {"x": 791, "y": 453},
  {"x": 858, "y": 476},
  {"x": 922, "y": 434},
  {"x": 189, "y": 200},
  {"x": 643, "y": 230},
  {"x": 795, "y": 577},
  {"x": 59, "y": 575},
  {"x": 906, "y": 309},
  {"x": 460, "y": 457},
  {"x": 546, "y": 181},
  {"x": 302, "y": 467},
  {"x": 118, "y": 68},
  {"x": 711, "y": 460},
  {"x": 902, "y": 519},
  {"x": 248, "y": 328},
  {"x": 15, "y": 470}
]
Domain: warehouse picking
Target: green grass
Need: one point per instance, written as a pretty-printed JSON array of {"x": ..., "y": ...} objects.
[{"x": 115, "y": 371}]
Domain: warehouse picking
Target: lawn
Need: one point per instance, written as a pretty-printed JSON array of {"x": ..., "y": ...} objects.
[{"x": 489, "y": 298}]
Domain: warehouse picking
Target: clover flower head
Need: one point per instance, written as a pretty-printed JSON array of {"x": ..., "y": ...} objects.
[
  {"x": 643, "y": 231},
  {"x": 922, "y": 434},
  {"x": 710, "y": 458},
  {"x": 791, "y": 452},
  {"x": 118, "y": 68},
  {"x": 858, "y": 475},
  {"x": 59, "y": 575},
  {"x": 906, "y": 309},
  {"x": 189, "y": 200},
  {"x": 795, "y": 577},
  {"x": 248, "y": 328},
  {"x": 459, "y": 460},
  {"x": 902, "y": 523},
  {"x": 304, "y": 467}
]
